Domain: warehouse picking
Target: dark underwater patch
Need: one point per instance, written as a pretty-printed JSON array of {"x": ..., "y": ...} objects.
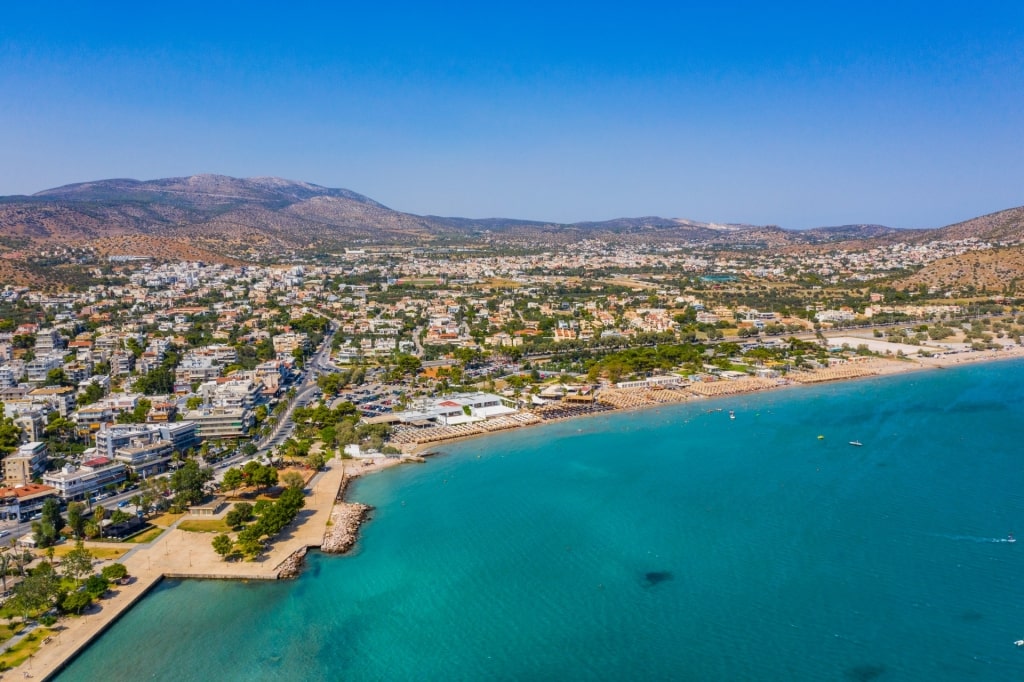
[
  {"x": 865, "y": 673},
  {"x": 652, "y": 578}
]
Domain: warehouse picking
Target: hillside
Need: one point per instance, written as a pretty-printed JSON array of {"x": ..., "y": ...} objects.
[
  {"x": 989, "y": 270},
  {"x": 218, "y": 217}
]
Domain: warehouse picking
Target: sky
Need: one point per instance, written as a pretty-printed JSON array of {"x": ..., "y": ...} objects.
[{"x": 907, "y": 114}]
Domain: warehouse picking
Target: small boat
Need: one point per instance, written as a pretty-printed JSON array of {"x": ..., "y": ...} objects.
[
  {"x": 856, "y": 443},
  {"x": 1010, "y": 538},
  {"x": 1019, "y": 642},
  {"x": 732, "y": 415},
  {"x": 820, "y": 437}
]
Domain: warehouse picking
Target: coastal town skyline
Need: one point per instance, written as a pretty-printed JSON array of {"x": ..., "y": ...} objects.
[{"x": 791, "y": 116}]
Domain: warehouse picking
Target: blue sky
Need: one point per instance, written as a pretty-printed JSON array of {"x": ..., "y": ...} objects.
[{"x": 796, "y": 114}]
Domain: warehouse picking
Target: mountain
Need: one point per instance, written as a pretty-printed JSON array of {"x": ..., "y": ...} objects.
[
  {"x": 1001, "y": 226},
  {"x": 218, "y": 217}
]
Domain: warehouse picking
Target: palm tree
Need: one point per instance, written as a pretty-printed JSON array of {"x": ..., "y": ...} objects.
[{"x": 5, "y": 564}]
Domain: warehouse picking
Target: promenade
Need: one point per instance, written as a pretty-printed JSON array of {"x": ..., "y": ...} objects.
[{"x": 180, "y": 554}]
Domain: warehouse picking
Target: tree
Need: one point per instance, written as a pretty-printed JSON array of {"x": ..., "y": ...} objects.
[
  {"x": 37, "y": 591},
  {"x": 194, "y": 402},
  {"x": 75, "y": 601},
  {"x": 222, "y": 545},
  {"x": 76, "y": 518},
  {"x": 55, "y": 377},
  {"x": 260, "y": 475},
  {"x": 91, "y": 394},
  {"x": 249, "y": 543},
  {"x": 241, "y": 513},
  {"x": 114, "y": 572},
  {"x": 10, "y": 434},
  {"x": 188, "y": 481},
  {"x": 233, "y": 479},
  {"x": 48, "y": 527},
  {"x": 96, "y": 585},
  {"x": 5, "y": 566},
  {"x": 77, "y": 563},
  {"x": 316, "y": 460},
  {"x": 293, "y": 479},
  {"x": 137, "y": 415}
]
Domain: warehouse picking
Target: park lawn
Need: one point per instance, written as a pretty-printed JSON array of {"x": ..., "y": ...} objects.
[
  {"x": 103, "y": 553},
  {"x": 6, "y": 632},
  {"x": 165, "y": 520},
  {"x": 17, "y": 654},
  {"x": 146, "y": 536},
  {"x": 204, "y": 526}
]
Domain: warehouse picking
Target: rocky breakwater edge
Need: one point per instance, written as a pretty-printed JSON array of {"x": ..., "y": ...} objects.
[{"x": 344, "y": 523}]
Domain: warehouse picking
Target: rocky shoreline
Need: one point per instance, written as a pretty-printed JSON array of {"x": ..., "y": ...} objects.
[
  {"x": 292, "y": 566},
  {"x": 343, "y": 528}
]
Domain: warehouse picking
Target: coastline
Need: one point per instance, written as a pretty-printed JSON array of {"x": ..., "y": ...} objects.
[
  {"x": 883, "y": 367},
  {"x": 328, "y": 508}
]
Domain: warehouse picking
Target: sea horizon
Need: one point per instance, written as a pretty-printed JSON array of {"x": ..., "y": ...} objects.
[{"x": 673, "y": 543}]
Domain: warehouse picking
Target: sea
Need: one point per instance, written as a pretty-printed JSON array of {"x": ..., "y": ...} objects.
[{"x": 675, "y": 543}]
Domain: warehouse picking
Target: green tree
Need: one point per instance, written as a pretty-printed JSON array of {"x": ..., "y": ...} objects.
[
  {"x": 48, "y": 527},
  {"x": 55, "y": 377},
  {"x": 5, "y": 567},
  {"x": 114, "y": 572},
  {"x": 222, "y": 545},
  {"x": 238, "y": 515},
  {"x": 91, "y": 394},
  {"x": 188, "y": 481},
  {"x": 77, "y": 563},
  {"x": 75, "y": 601},
  {"x": 137, "y": 415},
  {"x": 36, "y": 592},
  {"x": 76, "y": 518},
  {"x": 194, "y": 402},
  {"x": 249, "y": 543},
  {"x": 233, "y": 479},
  {"x": 96, "y": 585},
  {"x": 316, "y": 460},
  {"x": 10, "y": 434}
]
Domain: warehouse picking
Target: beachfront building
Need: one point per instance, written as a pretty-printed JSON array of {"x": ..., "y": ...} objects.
[
  {"x": 460, "y": 408},
  {"x": 94, "y": 475},
  {"x": 663, "y": 381},
  {"x": 25, "y": 464},
  {"x": 19, "y": 503},
  {"x": 178, "y": 436},
  {"x": 220, "y": 422},
  {"x": 146, "y": 459}
]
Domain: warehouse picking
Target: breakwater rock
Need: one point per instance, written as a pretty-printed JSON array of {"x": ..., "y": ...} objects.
[
  {"x": 292, "y": 566},
  {"x": 346, "y": 518}
]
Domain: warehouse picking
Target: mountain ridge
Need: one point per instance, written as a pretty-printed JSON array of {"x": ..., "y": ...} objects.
[{"x": 241, "y": 217}]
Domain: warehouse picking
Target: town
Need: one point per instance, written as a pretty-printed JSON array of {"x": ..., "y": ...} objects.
[{"x": 212, "y": 396}]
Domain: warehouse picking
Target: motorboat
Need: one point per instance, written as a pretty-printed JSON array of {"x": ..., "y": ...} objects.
[{"x": 856, "y": 443}]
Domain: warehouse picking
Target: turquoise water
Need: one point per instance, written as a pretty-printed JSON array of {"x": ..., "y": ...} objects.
[{"x": 667, "y": 544}]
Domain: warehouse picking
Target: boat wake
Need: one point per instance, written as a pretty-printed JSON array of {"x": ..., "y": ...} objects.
[{"x": 1009, "y": 539}]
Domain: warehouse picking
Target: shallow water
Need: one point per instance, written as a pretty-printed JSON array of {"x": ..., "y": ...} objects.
[{"x": 667, "y": 544}]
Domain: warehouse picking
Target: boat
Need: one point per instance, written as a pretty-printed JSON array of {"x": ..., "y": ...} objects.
[
  {"x": 1010, "y": 538},
  {"x": 1019, "y": 642},
  {"x": 820, "y": 437},
  {"x": 857, "y": 443},
  {"x": 732, "y": 415}
]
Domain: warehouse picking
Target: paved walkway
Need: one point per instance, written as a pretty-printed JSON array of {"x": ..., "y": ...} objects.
[{"x": 185, "y": 555}]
